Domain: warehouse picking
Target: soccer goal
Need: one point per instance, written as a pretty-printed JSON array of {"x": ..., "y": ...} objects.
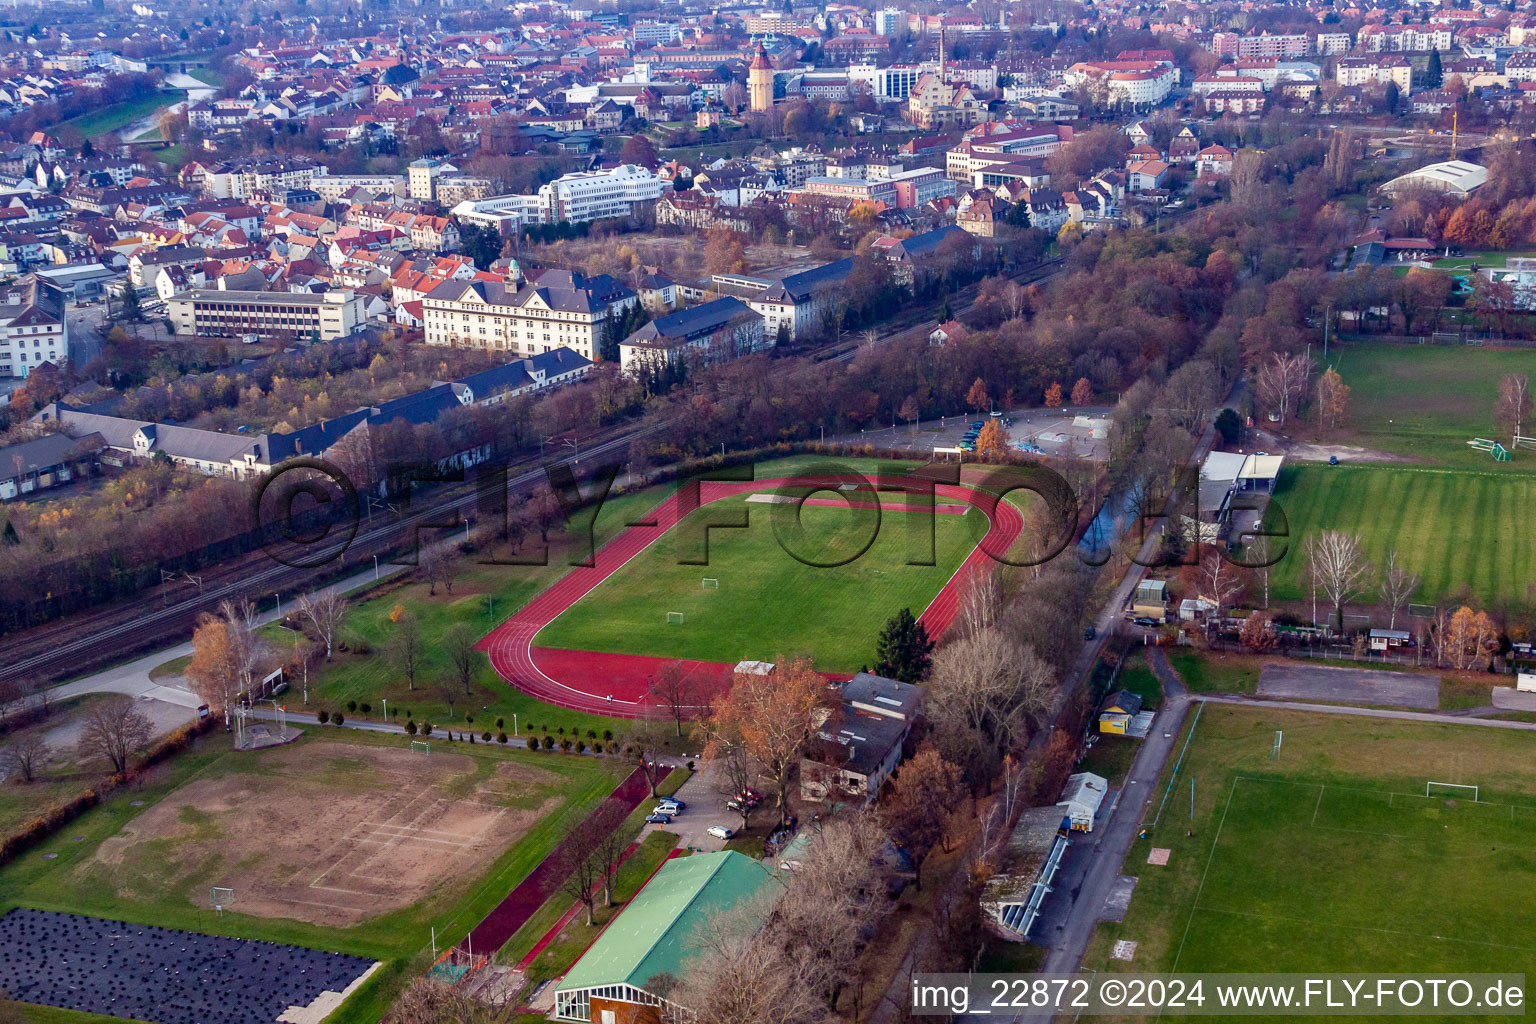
[
  {"x": 711, "y": 584},
  {"x": 422, "y": 746},
  {"x": 1430, "y": 788},
  {"x": 221, "y": 897},
  {"x": 674, "y": 618}
]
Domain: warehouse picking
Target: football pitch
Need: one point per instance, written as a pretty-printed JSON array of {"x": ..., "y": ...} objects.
[
  {"x": 1330, "y": 857},
  {"x": 1451, "y": 526},
  {"x": 819, "y": 583}
]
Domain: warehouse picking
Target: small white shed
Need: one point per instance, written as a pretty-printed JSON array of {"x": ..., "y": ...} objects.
[
  {"x": 1526, "y": 681},
  {"x": 1082, "y": 798}
]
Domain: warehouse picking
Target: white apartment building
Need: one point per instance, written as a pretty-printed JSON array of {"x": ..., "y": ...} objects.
[
  {"x": 33, "y": 329},
  {"x": 244, "y": 179},
  {"x": 528, "y": 321},
  {"x": 592, "y": 195},
  {"x": 332, "y": 186},
  {"x": 1329, "y": 43},
  {"x": 266, "y": 315},
  {"x": 658, "y": 32},
  {"x": 1405, "y": 38},
  {"x": 1362, "y": 70}
]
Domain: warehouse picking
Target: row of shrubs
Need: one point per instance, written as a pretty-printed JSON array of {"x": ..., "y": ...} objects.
[{"x": 61, "y": 814}]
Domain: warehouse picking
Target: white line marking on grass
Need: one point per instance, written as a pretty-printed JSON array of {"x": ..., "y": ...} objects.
[
  {"x": 1203, "y": 875},
  {"x": 1312, "y": 921},
  {"x": 1319, "y": 806}
]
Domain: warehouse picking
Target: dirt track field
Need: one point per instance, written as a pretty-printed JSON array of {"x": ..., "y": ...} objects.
[{"x": 329, "y": 833}]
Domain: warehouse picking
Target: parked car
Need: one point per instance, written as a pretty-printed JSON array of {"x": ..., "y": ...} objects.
[
  {"x": 967, "y": 446},
  {"x": 1090, "y": 633},
  {"x": 658, "y": 818},
  {"x": 670, "y": 809},
  {"x": 681, "y": 805},
  {"x": 720, "y": 831},
  {"x": 978, "y": 424},
  {"x": 1142, "y": 620}
]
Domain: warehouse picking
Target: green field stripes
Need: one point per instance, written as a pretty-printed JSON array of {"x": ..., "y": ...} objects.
[
  {"x": 1453, "y": 527},
  {"x": 1305, "y": 876}
]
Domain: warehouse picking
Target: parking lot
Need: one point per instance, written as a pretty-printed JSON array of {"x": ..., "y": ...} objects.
[
  {"x": 706, "y": 807},
  {"x": 1060, "y": 433}
]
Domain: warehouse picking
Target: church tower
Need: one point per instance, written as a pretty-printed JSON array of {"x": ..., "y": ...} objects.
[{"x": 760, "y": 81}]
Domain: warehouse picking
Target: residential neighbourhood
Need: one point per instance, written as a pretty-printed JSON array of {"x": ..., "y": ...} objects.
[{"x": 666, "y": 513}]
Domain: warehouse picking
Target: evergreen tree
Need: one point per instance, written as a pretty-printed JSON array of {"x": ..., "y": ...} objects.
[
  {"x": 8, "y": 535},
  {"x": 944, "y": 313},
  {"x": 1434, "y": 76},
  {"x": 132, "y": 311},
  {"x": 904, "y": 650}
]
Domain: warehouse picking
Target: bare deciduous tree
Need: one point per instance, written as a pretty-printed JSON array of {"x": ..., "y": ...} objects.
[
  {"x": 992, "y": 685},
  {"x": 1512, "y": 409},
  {"x": 1281, "y": 382},
  {"x": 459, "y": 645},
  {"x": 981, "y": 601},
  {"x": 581, "y": 866},
  {"x": 325, "y": 610},
  {"x": 27, "y": 756},
  {"x": 676, "y": 688},
  {"x": 431, "y": 1002},
  {"x": 1190, "y": 392},
  {"x": 114, "y": 731},
  {"x": 1398, "y": 586},
  {"x": 1219, "y": 581},
  {"x": 1338, "y": 568},
  {"x": 405, "y": 647},
  {"x": 244, "y": 647}
]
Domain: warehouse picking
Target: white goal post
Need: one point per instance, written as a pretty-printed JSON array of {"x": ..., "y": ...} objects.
[
  {"x": 674, "y": 618},
  {"x": 710, "y": 583},
  {"x": 221, "y": 897},
  {"x": 1429, "y": 786},
  {"x": 421, "y": 745}
]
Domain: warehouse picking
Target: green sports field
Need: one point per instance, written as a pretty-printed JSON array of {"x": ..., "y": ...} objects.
[
  {"x": 1331, "y": 857},
  {"x": 1451, "y": 526},
  {"x": 1425, "y": 402},
  {"x": 768, "y": 602}
]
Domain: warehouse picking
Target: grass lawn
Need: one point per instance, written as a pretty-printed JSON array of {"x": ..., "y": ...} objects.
[
  {"x": 1427, "y": 401},
  {"x": 158, "y": 883},
  {"x": 769, "y": 602},
  {"x": 1216, "y": 672},
  {"x": 1482, "y": 259},
  {"x": 115, "y": 116},
  {"x": 1137, "y": 677},
  {"x": 206, "y": 76},
  {"x": 1331, "y": 857},
  {"x": 1453, "y": 527},
  {"x": 557, "y": 957}
]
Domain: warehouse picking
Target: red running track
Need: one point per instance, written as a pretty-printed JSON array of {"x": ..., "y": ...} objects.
[
  {"x": 511, "y": 913},
  {"x": 618, "y": 684}
]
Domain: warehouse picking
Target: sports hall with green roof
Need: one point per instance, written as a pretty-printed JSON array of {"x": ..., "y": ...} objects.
[{"x": 653, "y": 934}]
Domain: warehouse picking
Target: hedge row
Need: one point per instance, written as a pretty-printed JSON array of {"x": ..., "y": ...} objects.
[{"x": 61, "y": 814}]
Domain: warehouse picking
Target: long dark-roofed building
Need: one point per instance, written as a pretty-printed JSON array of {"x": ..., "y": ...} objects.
[
  {"x": 718, "y": 331},
  {"x": 796, "y": 302}
]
